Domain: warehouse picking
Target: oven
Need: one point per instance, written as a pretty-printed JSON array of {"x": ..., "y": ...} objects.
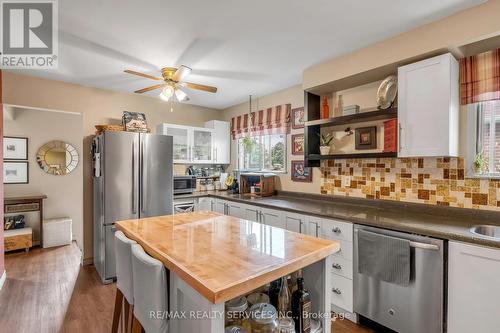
[{"x": 184, "y": 184}]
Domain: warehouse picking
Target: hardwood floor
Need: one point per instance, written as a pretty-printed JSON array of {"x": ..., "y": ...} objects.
[{"x": 48, "y": 291}]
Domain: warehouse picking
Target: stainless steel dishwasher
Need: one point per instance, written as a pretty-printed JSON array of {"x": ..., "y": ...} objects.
[{"x": 415, "y": 308}]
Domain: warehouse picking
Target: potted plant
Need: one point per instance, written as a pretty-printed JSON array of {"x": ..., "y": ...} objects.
[
  {"x": 479, "y": 163},
  {"x": 325, "y": 140}
]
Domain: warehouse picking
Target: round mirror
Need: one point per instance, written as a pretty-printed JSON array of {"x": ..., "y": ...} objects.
[{"x": 57, "y": 158}]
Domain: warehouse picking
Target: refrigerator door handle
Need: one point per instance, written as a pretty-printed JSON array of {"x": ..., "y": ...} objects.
[
  {"x": 141, "y": 180},
  {"x": 134, "y": 207}
]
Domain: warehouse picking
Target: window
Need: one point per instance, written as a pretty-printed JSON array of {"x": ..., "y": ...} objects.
[
  {"x": 262, "y": 153},
  {"x": 487, "y": 158}
]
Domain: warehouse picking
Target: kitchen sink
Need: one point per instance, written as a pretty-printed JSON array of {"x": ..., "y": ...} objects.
[{"x": 491, "y": 231}]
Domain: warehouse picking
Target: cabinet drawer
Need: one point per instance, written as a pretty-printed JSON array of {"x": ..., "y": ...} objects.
[
  {"x": 342, "y": 292},
  {"x": 345, "y": 251},
  {"x": 341, "y": 266},
  {"x": 333, "y": 229}
]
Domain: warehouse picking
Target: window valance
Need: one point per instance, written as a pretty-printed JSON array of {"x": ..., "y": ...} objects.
[
  {"x": 274, "y": 120},
  {"x": 480, "y": 77}
]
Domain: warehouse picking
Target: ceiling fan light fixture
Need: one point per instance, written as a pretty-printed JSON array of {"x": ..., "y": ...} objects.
[
  {"x": 180, "y": 95},
  {"x": 167, "y": 93}
]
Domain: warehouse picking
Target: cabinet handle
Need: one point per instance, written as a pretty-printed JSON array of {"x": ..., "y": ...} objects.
[
  {"x": 337, "y": 291},
  {"x": 337, "y": 230},
  {"x": 336, "y": 266},
  {"x": 317, "y": 230},
  {"x": 300, "y": 226},
  {"x": 399, "y": 137}
]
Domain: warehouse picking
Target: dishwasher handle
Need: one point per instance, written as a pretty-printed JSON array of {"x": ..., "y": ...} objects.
[{"x": 419, "y": 245}]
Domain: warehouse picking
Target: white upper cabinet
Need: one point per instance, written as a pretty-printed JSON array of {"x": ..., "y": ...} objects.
[
  {"x": 191, "y": 144},
  {"x": 222, "y": 142},
  {"x": 428, "y": 107}
]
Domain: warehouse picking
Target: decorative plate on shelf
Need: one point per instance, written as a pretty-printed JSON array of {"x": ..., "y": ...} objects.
[{"x": 387, "y": 92}]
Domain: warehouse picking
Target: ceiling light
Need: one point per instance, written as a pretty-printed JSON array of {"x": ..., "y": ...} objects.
[
  {"x": 181, "y": 95},
  {"x": 167, "y": 93}
]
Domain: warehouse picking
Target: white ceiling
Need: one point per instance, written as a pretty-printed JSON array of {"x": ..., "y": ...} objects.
[{"x": 242, "y": 47}]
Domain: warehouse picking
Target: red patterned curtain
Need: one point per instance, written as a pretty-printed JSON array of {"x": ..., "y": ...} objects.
[
  {"x": 480, "y": 77},
  {"x": 274, "y": 120}
]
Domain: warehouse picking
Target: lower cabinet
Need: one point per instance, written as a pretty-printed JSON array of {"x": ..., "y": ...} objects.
[
  {"x": 473, "y": 288},
  {"x": 204, "y": 203},
  {"x": 235, "y": 209},
  {"x": 272, "y": 217}
]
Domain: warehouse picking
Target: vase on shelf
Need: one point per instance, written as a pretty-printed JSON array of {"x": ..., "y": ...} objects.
[
  {"x": 324, "y": 150},
  {"x": 325, "y": 111}
]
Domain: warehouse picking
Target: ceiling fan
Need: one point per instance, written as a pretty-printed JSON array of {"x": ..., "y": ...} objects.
[{"x": 173, "y": 83}]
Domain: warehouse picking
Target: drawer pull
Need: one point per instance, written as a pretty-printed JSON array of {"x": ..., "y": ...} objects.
[
  {"x": 337, "y": 266},
  {"x": 337, "y": 230},
  {"x": 337, "y": 291}
]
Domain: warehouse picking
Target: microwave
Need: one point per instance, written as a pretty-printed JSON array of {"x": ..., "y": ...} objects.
[{"x": 184, "y": 184}]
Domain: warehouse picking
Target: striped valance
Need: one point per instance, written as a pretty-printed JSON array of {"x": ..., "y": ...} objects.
[
  {"x": 480, "y": 77},
  {"x": 274, "y": 120}
]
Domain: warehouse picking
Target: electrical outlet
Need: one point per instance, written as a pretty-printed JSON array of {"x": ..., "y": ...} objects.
[{"x": 346, "y": 181}]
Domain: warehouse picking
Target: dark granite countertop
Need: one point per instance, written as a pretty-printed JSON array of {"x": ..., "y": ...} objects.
[{"x": 435, "y": 221}]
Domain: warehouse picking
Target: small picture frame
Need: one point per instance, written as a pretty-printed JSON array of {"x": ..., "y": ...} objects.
[
  {"x": 15, "y": 148},
  {"x": 134, "y": 122},
  {"x": 301, "y": 173},
  {"x": 297, "y": 144},
  {"x": 366, "y": 138},
  {"x": 298, "y": 118},
  {"x": 16, "y": 172}
]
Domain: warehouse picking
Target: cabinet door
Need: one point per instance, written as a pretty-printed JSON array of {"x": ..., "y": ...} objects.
[
  {"x": 428, "y": 107},
  {"x": 222, "y": 141},
  {"x": 272, "y": 217},
  {"x": 204, "y": 204},
  {"x": 473, "y": 288},
  {"x": 294, "y": 222},
  {"x": 313, "y": 226},
  {"x": 236, "y": 209},
  {"x": 181, "y": 142},
  {"x": 251, "y": 213},
  {"x": 202, "y": 145},
  {"x": 220, "y": 206}
]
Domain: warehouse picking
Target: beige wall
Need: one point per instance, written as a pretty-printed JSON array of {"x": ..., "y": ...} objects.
[
  {"x": 452, "y": 32},
  {"x": 64, "y": 193},
  {"x": 97, "y": 106}
]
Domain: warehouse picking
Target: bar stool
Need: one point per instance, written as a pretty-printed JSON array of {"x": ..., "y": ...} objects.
[
  {"x": 124, "y": 285},
  {"x": 150, "y": 291}
]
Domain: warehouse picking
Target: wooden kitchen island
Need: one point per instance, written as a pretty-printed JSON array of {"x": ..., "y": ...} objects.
[{"x": 213, "y": 258}]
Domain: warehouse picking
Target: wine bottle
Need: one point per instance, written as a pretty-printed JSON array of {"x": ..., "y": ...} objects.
[
  {"x": 301, "y": 308},
  {"x": 284, "y": 297},
  {"x": 274, "y": 290}
]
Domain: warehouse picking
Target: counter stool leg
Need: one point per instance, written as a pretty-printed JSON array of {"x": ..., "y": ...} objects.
[
  {"x": 116, "y": 312},
  {"x": 136, "y": 326}
]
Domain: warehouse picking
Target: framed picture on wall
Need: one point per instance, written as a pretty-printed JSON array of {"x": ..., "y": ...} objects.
[
  {"x": 300, "y": 173},
  {"x": 16, "y": 172},
  {"x": 366, "y": 137},
  {"x": 298, "y": 118},
  {"x": 15, "y": 148},
  {"x": 297, "y": 144}
]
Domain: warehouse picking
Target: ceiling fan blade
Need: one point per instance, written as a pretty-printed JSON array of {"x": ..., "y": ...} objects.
[
  {"x": 197, "y": 86},
  {"x": 156, "y": 86},
  {"x": 147, "y": 76},
  {"x": 181, "y": 73}
]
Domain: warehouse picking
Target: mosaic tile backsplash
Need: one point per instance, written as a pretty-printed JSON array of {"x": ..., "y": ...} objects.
[{"x": 435, "y": 181}]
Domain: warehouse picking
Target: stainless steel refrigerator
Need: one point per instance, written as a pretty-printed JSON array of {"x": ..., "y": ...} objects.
[{"x": 133, "y": 178}]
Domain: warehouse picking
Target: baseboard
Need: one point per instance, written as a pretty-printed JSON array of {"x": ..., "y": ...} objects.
[
  {"x": 2, "y": 279},
  {"x": 87, "y": 261}
]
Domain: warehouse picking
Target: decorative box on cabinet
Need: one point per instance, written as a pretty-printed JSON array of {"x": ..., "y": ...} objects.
[
  {"x": 428, "y": 107},
  {"x": 262, "y": 182}
]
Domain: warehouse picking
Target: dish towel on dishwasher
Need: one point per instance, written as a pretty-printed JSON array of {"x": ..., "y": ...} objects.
[{"x": 384, "y": 257}]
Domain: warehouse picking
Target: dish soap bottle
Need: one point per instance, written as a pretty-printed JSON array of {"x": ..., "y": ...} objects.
[{"x": 301, "y": 308}]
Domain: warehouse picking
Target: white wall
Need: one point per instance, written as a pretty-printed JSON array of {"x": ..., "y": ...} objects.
[{"x": 64, "y": 193}]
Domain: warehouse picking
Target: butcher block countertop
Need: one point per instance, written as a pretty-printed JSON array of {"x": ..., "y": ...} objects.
[{"x": 221, "y": 256}]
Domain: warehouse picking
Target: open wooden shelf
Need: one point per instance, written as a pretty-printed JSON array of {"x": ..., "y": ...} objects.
[
  {"x": 355, "y": 118},
  {"x": 317, "y": 157}
]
